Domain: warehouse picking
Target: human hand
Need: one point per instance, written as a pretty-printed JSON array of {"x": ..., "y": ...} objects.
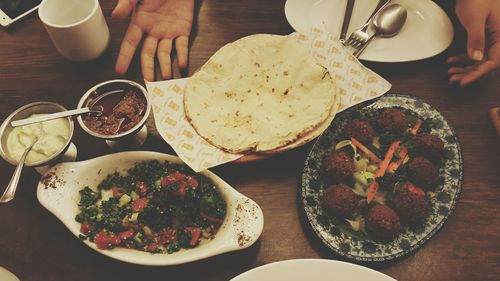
[
  {"x": 161, "y": 22},
  {"x": 481, "y": 20}
]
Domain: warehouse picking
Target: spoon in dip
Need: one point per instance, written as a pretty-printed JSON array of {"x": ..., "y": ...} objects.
[
  {"x": 79, "y": 111},
  {"x": 10, "y": 191}
]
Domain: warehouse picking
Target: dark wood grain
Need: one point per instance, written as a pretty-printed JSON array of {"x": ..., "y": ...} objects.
[{"x": 36, "y": 246}]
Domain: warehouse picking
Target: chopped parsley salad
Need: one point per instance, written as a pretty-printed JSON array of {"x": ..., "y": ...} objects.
[{"x": 156, "y": 207}]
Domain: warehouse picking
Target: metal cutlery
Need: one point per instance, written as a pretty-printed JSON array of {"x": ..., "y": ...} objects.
[
  {"x": 387, "y": 23},
  {"x": 360, "y": 35},
  {"x": 347, "y": 19},
  {"x": 56, "y": 115},
  {"x": 10, "y": 190}
]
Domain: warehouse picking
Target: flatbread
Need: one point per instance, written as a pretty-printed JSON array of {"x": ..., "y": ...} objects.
[
  {"x": 309, "y": 136},
  {"x": 258, "y": 94}
]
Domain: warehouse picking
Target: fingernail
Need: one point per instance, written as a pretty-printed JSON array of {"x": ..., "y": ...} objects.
[{"x": 477, "y": 55}]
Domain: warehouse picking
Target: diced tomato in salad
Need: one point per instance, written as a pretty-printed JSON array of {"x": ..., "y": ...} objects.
[
  {"x": 181, "y": 180},
  {"x": 85, "y": 228},
  {"x": 124, "y": 235},
  {"x": 152, "y": 247},
  {"x": 138, "y": 205},
  {"x": 192, "y": 182},
  {"x": 104, "y": 240},
  {"x": 172, "y": 178},
  {"x": 167, "y": 235},
  {"x": 195, "y": 234},
  {"x": 143, "y": 189}
]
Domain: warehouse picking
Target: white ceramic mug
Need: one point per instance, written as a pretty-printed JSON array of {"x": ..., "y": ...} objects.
[{"x": 77, "y": 27}]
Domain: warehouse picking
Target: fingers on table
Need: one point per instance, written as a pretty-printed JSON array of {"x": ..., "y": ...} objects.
[
  {"x": 460, "y": 70},
  {"x": 129, "y": 45},
  {"x": 458, "y": 60},
  {"x": 148, "y": 58},
  {"x": 181, "y": 47},
  {"x": 467, "y": 75},
  {"x": 479, "y": 71},
  {"x": 475, "y": 39},
  {"x": 164, "y": 50}
]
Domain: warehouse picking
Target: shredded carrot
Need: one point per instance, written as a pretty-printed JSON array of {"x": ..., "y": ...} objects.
[
  {"x": 403, "y": 152},
  {"x": 387, "y": 159},
  {"x": 417, "y": 126},
  {"x": 372, "y": 190},
  {"x": 366, "y": 151},
  {"x": 415, "y": 189},
  {"x": 382, "y": 167}
]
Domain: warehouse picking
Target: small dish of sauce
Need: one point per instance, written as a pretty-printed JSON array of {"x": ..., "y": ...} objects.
[
  {"x": 123, "y": 107},
  {"x": 54, "y": 136},
  {"x": 121, "y": 111}
]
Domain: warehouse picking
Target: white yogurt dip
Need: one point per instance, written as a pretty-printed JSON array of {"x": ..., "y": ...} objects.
[{"x": 55, "y": 134}]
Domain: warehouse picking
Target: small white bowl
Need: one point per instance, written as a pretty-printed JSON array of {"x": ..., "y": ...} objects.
[{"x": 58, "y": 193}]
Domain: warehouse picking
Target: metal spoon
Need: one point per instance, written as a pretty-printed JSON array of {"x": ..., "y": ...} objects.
[
  {"x": 56, "y": 115},
  {"x": 10, "y": 191},
  {"x": 387, "y": 23}
]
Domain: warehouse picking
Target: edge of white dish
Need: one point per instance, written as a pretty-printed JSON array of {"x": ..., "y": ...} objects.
[
  {"x": 312, "y": 270},
  {"x": 241, "y": 228},
  {"x": 6, "y": 275}
]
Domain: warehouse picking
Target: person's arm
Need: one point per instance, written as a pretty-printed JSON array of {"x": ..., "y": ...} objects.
[
  {"x": 163, "y": 23},
  {"x": 481, "y": 20}
]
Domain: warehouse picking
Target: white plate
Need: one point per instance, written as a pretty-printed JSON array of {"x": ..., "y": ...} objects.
[
  {"x": 59, "y": 194},
  {"x": 427, "y": 32},
  {"x": 6, "y": 275},
  {"x": 312, "y": 270}
]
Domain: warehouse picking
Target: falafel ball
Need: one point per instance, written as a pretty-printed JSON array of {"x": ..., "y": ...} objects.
[
  {"x": 339, "y": 200},
  {"x": 423, "y": 173},
  {"x": 339, "y": 165},
  {"x": 411, "y": 207},
  {"x": 393, "y": 120},
  {"x": 382, "y": 222},
  {"x": 360, "y": 130},
  {"x": 429, "y": 145}
]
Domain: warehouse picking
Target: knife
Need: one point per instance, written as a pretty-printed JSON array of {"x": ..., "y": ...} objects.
[{"x": 347, "y": 19}]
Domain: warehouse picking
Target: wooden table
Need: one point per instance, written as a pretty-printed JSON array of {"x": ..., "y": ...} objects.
[{"x": 36, "y": 246}]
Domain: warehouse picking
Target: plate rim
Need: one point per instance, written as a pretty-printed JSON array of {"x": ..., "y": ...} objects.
[
  {"x": 421, "y": 242},
  {"x": 310, "y": 260}
]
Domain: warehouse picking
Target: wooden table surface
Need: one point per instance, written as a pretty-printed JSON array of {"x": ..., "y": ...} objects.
[{"x": 36, "y": 246}]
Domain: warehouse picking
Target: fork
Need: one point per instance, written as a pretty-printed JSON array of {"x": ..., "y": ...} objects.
[{"x": 360, "y": 36}]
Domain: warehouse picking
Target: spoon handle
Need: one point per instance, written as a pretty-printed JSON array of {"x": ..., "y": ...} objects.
[
  {"x": 10, "y": 191},
  {"x": 359, "y": 51},
  {"x": 51, "y": 116},
  {"x": 380, "y": 6}
]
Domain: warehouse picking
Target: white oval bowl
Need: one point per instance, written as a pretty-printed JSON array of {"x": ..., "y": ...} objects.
[{"x": 242, "y": 225}]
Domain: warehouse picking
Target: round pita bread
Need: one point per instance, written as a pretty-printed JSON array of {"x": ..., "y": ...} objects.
[
  {"x": 309, "y": 136},
  {"x": 258, "y": 94}
]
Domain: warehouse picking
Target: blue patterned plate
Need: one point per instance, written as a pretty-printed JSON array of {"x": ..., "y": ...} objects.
[{"x": 408, "y": 240}]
